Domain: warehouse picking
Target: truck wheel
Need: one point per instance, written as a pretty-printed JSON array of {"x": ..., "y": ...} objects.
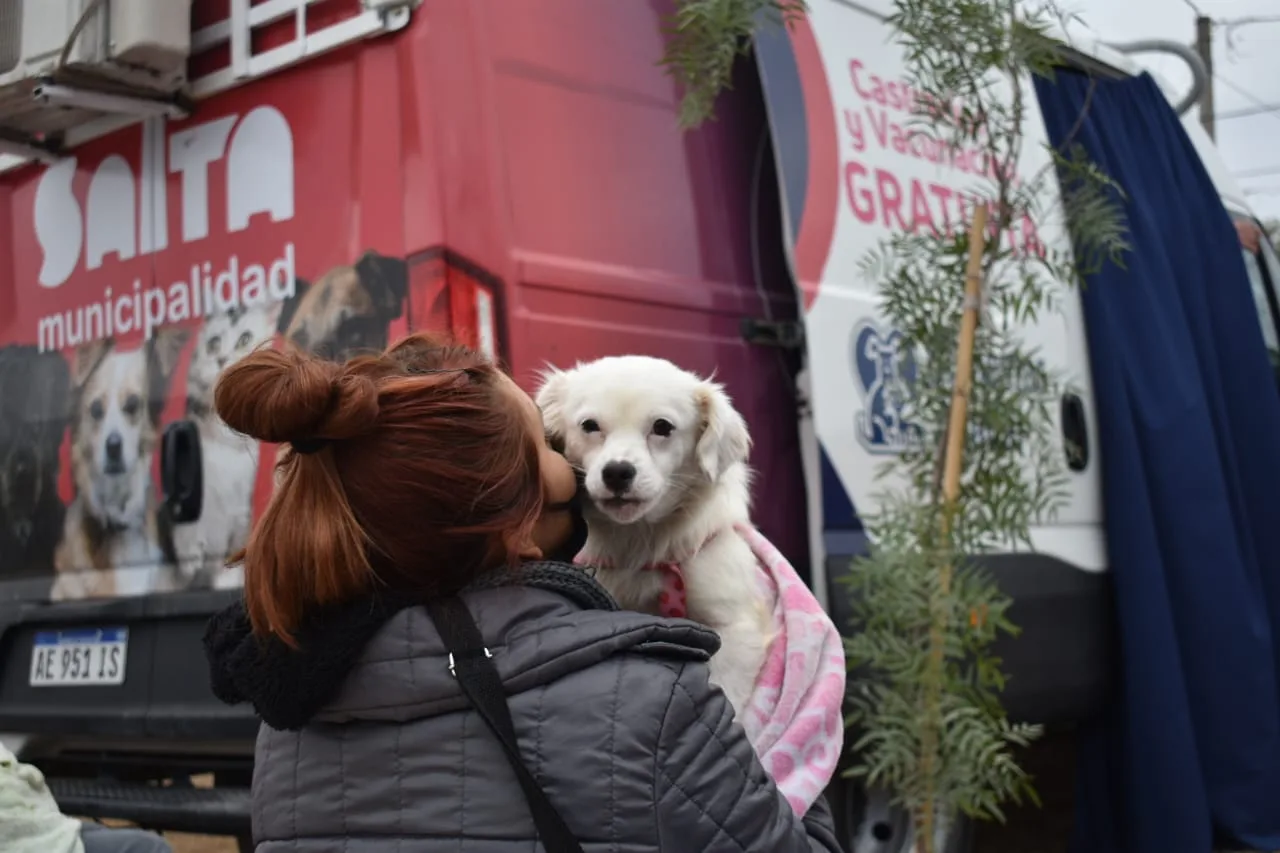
[{"x": 868, "y": 822}]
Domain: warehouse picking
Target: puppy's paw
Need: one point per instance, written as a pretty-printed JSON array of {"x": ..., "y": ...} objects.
[
  {"x": 737, "y": 688},
  {"x": 738, "y": 663}
]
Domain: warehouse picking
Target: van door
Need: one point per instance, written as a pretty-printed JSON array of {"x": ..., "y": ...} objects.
[{"x": 621, "y": 233}]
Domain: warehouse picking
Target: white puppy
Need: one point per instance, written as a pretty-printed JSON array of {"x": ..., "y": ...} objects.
[{"x": 664, "y": 456}]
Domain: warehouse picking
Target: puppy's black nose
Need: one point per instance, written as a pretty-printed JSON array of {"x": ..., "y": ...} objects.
[
  {"x": 618, "y": 476},
  {"x": 115, "y": 447}
]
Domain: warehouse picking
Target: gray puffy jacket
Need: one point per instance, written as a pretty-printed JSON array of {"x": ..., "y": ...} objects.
[{"x": 369, "y": 746}]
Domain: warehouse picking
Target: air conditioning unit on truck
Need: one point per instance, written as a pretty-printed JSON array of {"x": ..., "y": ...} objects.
[
  {"x": 338, "y": 173},
  {"x": 67, "y": 64}
]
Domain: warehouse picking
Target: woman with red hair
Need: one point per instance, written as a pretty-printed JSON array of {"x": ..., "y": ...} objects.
[{"x": 431, "y": 672}]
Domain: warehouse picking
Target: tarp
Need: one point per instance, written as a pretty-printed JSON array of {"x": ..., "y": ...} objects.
[{"x": 1189, "y": 431}]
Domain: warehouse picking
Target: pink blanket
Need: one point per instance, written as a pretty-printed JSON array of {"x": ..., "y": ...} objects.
[{"x": 795, "y": 718}]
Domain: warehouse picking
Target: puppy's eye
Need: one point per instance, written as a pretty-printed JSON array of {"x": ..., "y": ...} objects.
[
  {"x": 663, "y": 427},
  {"x": 96, "y": 410},
  {"x": 214, "y": 344},
  {"x": 131, "y": 404},
  {"x": 244, "y": 340},
  {"x": 589, "y": 425}
]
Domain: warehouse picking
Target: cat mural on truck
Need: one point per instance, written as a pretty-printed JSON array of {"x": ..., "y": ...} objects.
[{"x": 141, "y": 272}]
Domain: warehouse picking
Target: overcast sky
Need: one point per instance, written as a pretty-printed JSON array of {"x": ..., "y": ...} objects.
[{"x": 1252, "y": 63}]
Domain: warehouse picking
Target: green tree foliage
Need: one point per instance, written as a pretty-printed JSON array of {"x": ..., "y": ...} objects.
[
  {"x": 927, "y": 720},
  {"x": 705, "y": 38}
]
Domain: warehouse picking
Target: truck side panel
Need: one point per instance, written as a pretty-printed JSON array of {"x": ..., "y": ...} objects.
[{"x": 152, "y": 259}]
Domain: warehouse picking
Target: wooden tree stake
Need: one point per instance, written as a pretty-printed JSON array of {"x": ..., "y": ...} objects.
[{"x": 952, "y": 466}]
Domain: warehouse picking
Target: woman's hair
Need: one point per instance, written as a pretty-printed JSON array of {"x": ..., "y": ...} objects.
[{"x": 406, "y": 469}]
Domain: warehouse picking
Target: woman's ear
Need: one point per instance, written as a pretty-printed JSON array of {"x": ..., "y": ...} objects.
[
  {"x": 522, "y": 547},
  {"x": 550, "y": 399},
  {"x": 724, "y": 441}
]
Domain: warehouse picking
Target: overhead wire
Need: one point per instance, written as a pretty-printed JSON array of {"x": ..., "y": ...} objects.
[
  {"x": 1264, "y": 172},
  {"x": 1260, "y": 107}
]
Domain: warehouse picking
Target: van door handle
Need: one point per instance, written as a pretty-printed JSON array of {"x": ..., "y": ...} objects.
[{"x": 1075, "y": 432}]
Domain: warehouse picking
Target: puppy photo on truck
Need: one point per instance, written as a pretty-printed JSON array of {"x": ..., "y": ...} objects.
[
  {"x": 111, "y": 543},
  {"x": 349, "y": 310},
  {"x": 229, "y": 460},
  {"x": 34, "y": 387}
]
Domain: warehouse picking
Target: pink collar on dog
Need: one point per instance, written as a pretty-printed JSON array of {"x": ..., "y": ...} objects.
[{"x": 672, "y": 602}]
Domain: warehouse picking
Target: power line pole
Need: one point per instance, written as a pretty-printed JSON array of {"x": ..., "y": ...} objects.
[{"x": 1204, "y": 47}]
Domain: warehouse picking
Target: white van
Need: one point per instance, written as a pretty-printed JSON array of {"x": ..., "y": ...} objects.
[{"x": 849, "y": 178}]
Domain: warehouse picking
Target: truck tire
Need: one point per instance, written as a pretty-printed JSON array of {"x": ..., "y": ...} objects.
[{"x": 868, "y": 822}]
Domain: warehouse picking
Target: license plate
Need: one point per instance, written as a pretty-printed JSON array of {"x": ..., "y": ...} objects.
[{"x": 85, "y": 656}]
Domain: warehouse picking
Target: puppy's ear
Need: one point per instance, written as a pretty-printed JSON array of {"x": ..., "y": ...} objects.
[
  {"x": 289, "y": 307},
  {"x": 50, "y": 390},
  {"x": 163, "y": 352},
  {"x": 88, "y": 357},
  {"x": 551, "y": 400},
  {"x": 724, "y": 441},
  {"x": 386, "y": 280},
  {"x": 272, "y": 311}
]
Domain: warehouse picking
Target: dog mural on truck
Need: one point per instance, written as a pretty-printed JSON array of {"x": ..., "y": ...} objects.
[
  {"x": 34, "y": 391},
  {"x": 111, "y": 541},
  {"x": 110, "y": 536},
  {"x": 139, "y": 280}
]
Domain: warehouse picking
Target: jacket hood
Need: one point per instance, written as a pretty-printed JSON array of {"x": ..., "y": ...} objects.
[{"x": 381, "y": 658}]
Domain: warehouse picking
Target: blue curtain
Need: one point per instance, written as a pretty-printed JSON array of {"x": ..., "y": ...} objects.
[{"x": 1189, "y": 434}]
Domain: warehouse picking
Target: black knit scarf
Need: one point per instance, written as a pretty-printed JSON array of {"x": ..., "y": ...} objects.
[{"x": 288, "y": 686}]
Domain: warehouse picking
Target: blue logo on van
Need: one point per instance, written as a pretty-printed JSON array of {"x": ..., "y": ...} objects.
[{"x": 885, "y": 374}]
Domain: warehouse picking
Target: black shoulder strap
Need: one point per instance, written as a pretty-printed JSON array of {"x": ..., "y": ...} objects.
[{"x": 469, "y": 662}]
